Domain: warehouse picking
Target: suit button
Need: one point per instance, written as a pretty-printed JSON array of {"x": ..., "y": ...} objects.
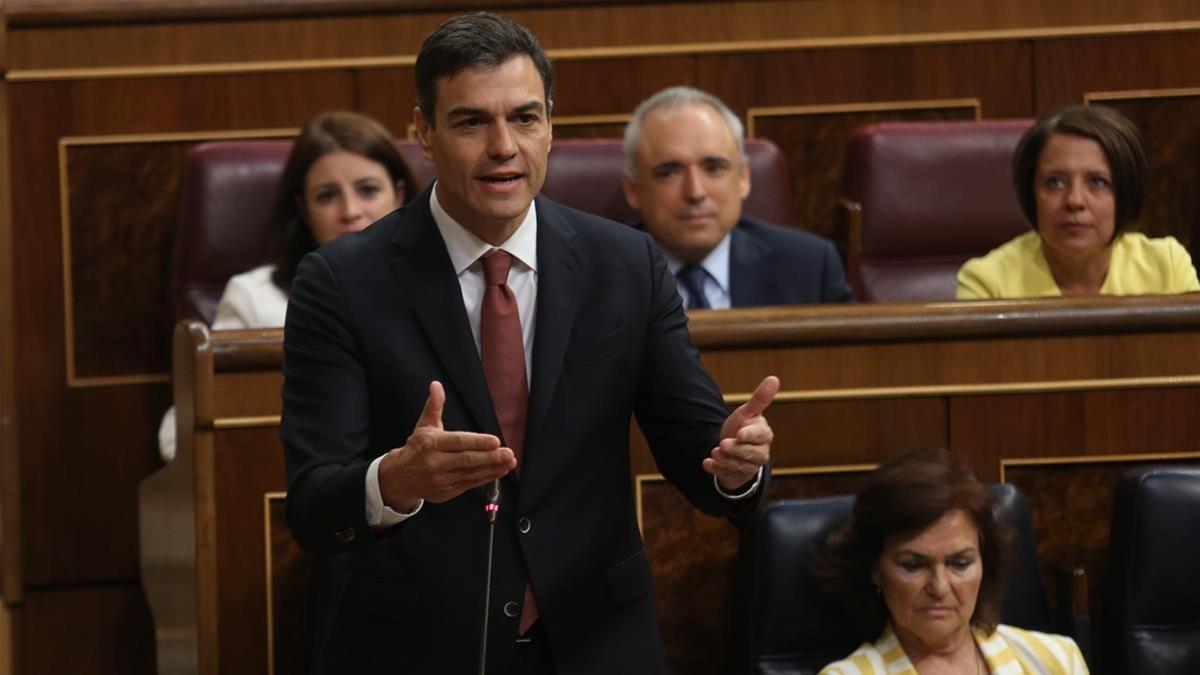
[
  {"x": 345, "y": 536},
  {"x": 524, "y": 525},
  {"x": 512, "y": 610}
]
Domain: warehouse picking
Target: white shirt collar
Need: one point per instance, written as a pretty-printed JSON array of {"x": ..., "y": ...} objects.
[
  {"x": 465, "y": 248},
  {"x": 716, "y": 263}
]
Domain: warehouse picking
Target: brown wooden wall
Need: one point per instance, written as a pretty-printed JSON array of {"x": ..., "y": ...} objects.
[
  {"x": 1058, "y": 397},
  {"x": 99, "y": 102}
]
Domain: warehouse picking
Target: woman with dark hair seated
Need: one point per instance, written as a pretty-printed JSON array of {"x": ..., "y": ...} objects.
[
  {"x": 1079, "y": 175},
  {"x": 342, "y": 174},
  {"x": 922, "y": 563}
]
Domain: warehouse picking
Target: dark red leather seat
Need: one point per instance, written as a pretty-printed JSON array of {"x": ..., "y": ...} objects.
[
  {"x": 923, "y": 198},
  {"x": 229, "y": 189},
  {"x": 227, "y": 194}
]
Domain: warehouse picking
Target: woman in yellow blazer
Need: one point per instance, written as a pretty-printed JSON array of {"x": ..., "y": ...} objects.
[
  {"x": 1079, "y": 175},
  {"x": 922, "y": 562}
]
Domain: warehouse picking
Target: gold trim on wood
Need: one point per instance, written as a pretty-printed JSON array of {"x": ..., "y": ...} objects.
[
  {"x": 590, "y": 53},
  {"x": 267, "y": 497},
  {"x": 1099, "y": 384},
  {"x": 1136, "y": 94},
  {"x": 641, "y": 478},
  {"x": 64, "y": 143},
  {"x": 1092, "y": 459},
  {"x": 246, "y": 422},
  {"x": 847, "y": 108}
]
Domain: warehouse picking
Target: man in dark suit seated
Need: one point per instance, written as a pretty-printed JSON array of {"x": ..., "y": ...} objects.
[
  {"x": 484, "y": 336},
  {"x": 686, "y": 172}
]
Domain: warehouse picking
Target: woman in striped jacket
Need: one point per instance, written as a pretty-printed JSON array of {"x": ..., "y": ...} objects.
[{"x": 922, "y": 563}]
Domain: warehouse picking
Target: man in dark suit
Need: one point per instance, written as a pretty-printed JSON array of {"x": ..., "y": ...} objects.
[
  {"x": 686, "y": 173},
  {"x": 483, "y": 334}
]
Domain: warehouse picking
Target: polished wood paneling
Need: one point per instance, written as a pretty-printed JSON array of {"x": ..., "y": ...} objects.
[
  {"x": 10, "y": 456},
  {"x": 814, "y": 141},
  {"x": 1068, "y": 68},
  {"x": 919, "y": 80},
  {"x": 289, "y": 575},
  {"x": 103, "y": 630},
  {"x": 275, "y": 73},
  {"x": 121, "y": 204},
  {"x": 694, "y": 559},
  {"x": 257, "y": 455},
  {"x": 654, "y": 27},
  {"x": 1071, "y": 504},
  {"x": 994, "y": 382},
  {"x": 107, "y": 459},
  {"x": 1170, "y": 124}
]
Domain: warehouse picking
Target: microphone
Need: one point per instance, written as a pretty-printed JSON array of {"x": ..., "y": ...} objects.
[{"x": 491, "y": 508}]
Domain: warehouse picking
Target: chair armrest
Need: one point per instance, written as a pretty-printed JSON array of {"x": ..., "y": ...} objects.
[{"x": 1071, "y": 607}]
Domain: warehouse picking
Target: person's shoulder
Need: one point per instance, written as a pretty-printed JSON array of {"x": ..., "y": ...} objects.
[
  {"x": 1167, "y": 246},
  {"x": 589, "y": 225},
  {"x": 780, "y": 235},
  {"x": 866, "y": 660},
  {"x": 1017, "y": 252},
  {"x": 250, "y": 279},
  {"x": 1033, "y": 642}
]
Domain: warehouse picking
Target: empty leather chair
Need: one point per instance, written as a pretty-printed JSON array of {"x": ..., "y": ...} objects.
[
  {"x": 225, "y": 224},
  {"x": 921, "y": 198},
  {"x": 792, "y": 628},
  {"x": 1152, "y": 619},
  {"x": 586, "y": 174}
]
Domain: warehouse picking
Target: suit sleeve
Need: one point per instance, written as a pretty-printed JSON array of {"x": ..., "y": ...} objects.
[
  {"x": 679, "y": 408},
  {"x": 325, "y": 414}
]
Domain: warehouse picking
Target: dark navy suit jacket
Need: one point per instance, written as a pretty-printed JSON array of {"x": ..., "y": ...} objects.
[
  {"x": 774, "y": 265},
  {"x": 372, "y": 318}
]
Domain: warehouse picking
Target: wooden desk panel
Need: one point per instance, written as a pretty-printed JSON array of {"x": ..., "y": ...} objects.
[{"x": 1092, "y": 387}]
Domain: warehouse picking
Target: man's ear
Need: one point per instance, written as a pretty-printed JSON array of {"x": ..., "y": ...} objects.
[
  {"x": 423, "y": 128},
  {"x": 744, "y": 180},
  {"x": 631, "y": 193}
]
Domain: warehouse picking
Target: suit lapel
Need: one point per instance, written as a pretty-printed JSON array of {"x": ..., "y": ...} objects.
[
  {"x": 748, "y": 283},
  {"x": 560, "y": 283},
  {"x": 423, "y": 270}
]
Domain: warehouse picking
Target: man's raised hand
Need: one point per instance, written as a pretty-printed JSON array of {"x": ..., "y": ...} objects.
[
  {"x": 438, "y": 465},
  {"x": 745, "y": 439}
]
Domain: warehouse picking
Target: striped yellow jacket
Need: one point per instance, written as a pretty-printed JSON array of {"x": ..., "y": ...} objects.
[{"x": 1009, "y": 651}]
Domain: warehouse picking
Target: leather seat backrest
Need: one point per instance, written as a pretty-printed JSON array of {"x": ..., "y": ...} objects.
[
  {"x": 1152, "y": 617},
  {"x": 793, "y": 628},
  {"x": 932, "y": 196},
  {"x": 229, "y": 191},
  {"x": 225, "y": 224}
]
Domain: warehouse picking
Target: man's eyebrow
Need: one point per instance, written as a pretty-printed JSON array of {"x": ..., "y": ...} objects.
[
  {"x": 671, "y": 164},
  {"x": 718, "y": 159},
  {"x": 532, "y": 106},
  {"x": 464, "y": 111}
]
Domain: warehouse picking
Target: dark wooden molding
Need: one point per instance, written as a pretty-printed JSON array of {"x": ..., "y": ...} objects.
[
  {"x": 863, "y": 323},
  {"x": 29, "y": 13}
]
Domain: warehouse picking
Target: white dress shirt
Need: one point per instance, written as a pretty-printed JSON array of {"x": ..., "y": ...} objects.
[
  {"x": 716, "y": 281},
  {"x": 466, "y": 251}
]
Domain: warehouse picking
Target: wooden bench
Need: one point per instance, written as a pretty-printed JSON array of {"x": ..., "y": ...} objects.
[{"x": 1055, "y": 396}]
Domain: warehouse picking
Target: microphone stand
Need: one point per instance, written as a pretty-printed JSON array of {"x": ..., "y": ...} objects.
[{"x": 490, "y": 509}]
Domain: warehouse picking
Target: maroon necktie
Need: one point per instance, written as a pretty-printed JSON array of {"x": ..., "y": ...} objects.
[{"x": 503, "y": 354}]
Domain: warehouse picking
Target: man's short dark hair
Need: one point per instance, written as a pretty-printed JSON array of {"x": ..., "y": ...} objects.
[
  {"x": 479, "y": 40},
  {"x": 1118, "y": 138}
]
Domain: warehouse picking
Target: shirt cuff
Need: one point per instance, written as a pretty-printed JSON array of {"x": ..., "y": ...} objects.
[
  {"x": 742, "y": 495},
  {"x": 380, "y": 514}
]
